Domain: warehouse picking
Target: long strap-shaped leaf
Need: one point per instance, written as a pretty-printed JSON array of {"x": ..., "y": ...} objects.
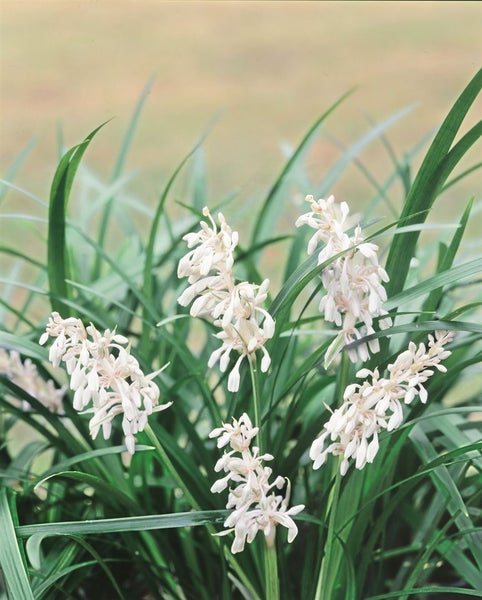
[
  {"x": 123, "y": 524},
  {"x": 262, "y": 222},
  {"x": 433, "y": 299},
  {"x": 118, "y": 167},
  {"x": 435, "y": 169},
  {"x": 148, "y": 282},
  {"x": 58, "y": 268},
  {"x": 11, "y": 561}
]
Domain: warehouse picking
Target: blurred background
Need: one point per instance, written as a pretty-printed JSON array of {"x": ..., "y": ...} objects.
[{"x": 256, "y": 74}]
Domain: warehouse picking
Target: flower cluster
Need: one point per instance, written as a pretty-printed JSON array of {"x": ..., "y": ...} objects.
[
  {"x": 234, "y": 307},
  {"x": 353, "y": 281},
  {"x": 103, "y": 373},
  {"x": 376, "y": 405},
  {"x": 25, "y": 375},
  {"x": 256, "y": 506}
]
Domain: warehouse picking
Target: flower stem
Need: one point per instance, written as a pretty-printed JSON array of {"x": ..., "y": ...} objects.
[
  {"x": 269, "y": 550},
  {"x": 327, "y": 578},
  {"x": 271, "y": 570},
  {"x": 167, "y": 463},
  {"x": 253, "y": 370}
]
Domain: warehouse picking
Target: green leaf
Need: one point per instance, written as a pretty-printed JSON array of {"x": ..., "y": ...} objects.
[
  {"x": 119, "y": 165},
  {"x": 435, "y": 169},
  {"x": 123, "y": 524},
  {"x": 264, "y": 220},
  {"x": 62, "y": 466},
  {"x": 21, "y": 464},
  {"x": 11, "y": 560},
  {"x": 57, "y": 259},
  {"x": 450, "y": 592},
  {"x": 449, "y": 277},
  {"x": 111, "y": 493},
  {"x": 462, "y": 176},
  {"x": 149, "y": 255},
  {"x": 349, "y": 155},
  {"x": 49, "y": 582},
  {"x": 295, "y": 284},
  {"x": 26, "y": 257},
  {"x": 12, "y": 171},
  {"x": 125, "y": 277},
  {"x": 23, "y": 346},
  {"x": 435, "y": 295}
]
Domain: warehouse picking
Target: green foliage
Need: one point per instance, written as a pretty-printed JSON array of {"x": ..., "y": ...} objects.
[{"x": 93, "y": 523}]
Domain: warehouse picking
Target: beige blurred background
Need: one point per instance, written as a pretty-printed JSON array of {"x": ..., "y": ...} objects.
[{"x": 265, "y": 70}]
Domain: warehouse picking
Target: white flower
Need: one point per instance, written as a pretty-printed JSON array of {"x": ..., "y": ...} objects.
[
  {"x": 26, "y": 376},
  {"x": 213, "y": 250},
  {"x": 238, "y": 435},
  {"x": 353, "y": 281},
  {"x": 234, "y": 307},
  {"x": 245, "y": 336},
  {"x": 415, "y": 366},
  {"x": 68, "y": 333},
  {"x": 269, "y": 512},
  {"x": 256, "y": 507},
  {"x": 242, "y": 301},
  {"x": 376, "y": 405},
  {"x": 330, "y": 221},
  {"x": 105, "y": 377}
]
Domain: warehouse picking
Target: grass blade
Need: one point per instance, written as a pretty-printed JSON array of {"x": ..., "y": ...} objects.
[
  {"x": 148, "y": 264},
  {"x": 123, "y": 524},
  {"x": 119, "y": 165},
  {"x": 427, "y": 184},
  {"x": 12, "y": 171},
  {"x": 11, "y": 560},
  {"x": 58, "y": 269},
  {"x": 264, "y": 219}
]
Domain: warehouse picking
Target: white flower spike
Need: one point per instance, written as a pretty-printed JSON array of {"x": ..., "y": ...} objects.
[
  {"x": 256, "y": 506},
  {"x": 234, "y": 307},
  {"x": 353, "y": 281},
  {"x": 105, "y": 382},
  {"x": 376, "y": 405}
]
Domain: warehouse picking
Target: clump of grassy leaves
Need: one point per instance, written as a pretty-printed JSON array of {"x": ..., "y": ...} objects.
[{"x": 76, "y": 521}]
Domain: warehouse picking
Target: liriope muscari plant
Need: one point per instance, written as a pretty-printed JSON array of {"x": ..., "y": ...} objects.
[
  {"x": 107, "y": 380},
  {"x": 354, "y": 293},
  {"x": 299, "y": 435}
]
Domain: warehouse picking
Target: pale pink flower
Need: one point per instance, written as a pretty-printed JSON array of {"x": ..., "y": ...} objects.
[
  {"x": 212, "y": 250},
  {"x": 269, "y": 512},
  {"x": 245, "y": 336},
  {"x": 238, "y": 435},
  {"x": 329, "y": 219}
]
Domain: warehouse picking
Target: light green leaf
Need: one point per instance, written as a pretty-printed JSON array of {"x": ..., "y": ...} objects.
[
  {"x": 122, "y": 524},
  {"x": 11, "y": 560}
]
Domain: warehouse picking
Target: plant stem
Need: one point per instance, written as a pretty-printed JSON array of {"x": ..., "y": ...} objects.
[
  {"x": 269, "y": 550},
  {"x": 253, "y": 371},
  {"x": 271, "y": 570},
  {"x": 327, "y": 578},
  {"x": 167, "y": 463}
]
